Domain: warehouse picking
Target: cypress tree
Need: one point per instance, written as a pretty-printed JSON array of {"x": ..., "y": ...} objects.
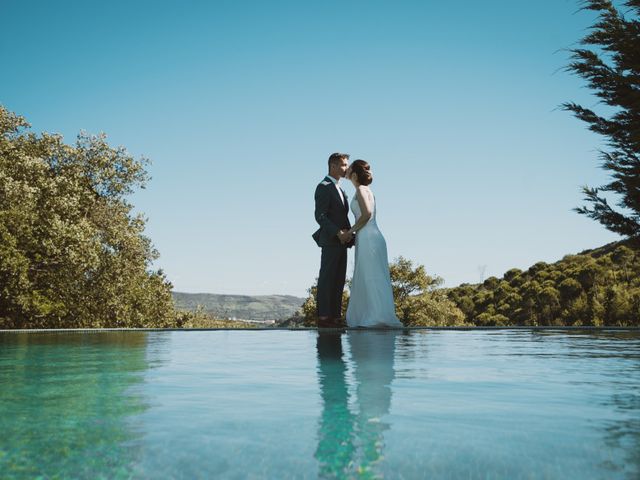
[{"x": 609, "y": 60}]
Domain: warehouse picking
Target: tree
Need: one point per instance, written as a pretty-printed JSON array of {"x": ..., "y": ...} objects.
[
  {"x": 72, "y": 254},
  {"x": 418, "y": 300},
  {"x": 610, "y": 63}
]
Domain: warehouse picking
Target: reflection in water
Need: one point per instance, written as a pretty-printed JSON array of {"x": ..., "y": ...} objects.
[
  {"x": 335, "y": 436},
  {"x": 625, "y": 433},
  {"x": 372, "y": 354},
  {"x": 352, "y": 444},
  {"x": 66, "y": 404}
]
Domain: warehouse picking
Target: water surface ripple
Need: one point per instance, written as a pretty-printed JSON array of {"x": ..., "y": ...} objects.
[{"x": 499, "y": 404}]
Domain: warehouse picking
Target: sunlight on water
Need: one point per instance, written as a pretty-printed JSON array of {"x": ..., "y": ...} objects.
[{"x": 505, "y": 404}]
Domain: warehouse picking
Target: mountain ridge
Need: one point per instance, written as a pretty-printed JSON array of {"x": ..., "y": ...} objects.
[{"x": 238, "y": 306}]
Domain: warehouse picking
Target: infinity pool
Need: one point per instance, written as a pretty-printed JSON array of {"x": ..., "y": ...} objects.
[{"x": 277, "y": 404}]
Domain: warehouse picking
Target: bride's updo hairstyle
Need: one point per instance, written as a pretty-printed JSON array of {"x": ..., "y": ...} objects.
[{"x": 363, "y": 171}]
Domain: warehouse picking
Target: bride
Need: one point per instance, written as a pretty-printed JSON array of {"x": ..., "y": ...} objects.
[{"x": 371, "y": 299}]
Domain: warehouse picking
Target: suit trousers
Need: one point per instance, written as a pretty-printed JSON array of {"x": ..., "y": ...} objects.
[{"x": 333, "y": 270}]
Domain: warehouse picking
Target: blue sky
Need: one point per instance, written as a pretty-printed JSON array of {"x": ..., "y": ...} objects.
[{"x": 239, "y": 103}]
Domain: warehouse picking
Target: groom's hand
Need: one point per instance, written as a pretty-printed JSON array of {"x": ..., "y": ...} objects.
[{"x": 344, "y": 236}]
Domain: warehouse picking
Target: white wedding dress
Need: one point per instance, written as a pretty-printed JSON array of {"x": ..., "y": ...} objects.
[{"x": 371, "y": 297}]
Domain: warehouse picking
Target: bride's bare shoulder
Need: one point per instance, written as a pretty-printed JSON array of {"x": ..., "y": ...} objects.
[{"x": 364, "y": 191}]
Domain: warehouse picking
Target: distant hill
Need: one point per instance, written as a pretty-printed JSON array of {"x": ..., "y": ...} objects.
[
  {"x": 597, "y": 287},
  {"x": 246, "y": 307}
]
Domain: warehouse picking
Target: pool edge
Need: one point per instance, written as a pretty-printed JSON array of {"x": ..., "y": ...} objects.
[{"x": 295, "y": 329}]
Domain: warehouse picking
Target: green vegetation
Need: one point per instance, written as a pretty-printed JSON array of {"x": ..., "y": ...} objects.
[
  {"x": 72, "y": 254},
  {"x": 598, "y": 287},
  {"x": 610, "y": 63},
  {"x": 418, "y": 300}
]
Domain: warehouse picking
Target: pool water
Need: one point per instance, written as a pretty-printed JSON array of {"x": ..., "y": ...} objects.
[{"x": 277, "y": 404}]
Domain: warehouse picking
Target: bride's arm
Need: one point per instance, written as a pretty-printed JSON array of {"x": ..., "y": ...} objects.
[{"x": 365, "y": 207}]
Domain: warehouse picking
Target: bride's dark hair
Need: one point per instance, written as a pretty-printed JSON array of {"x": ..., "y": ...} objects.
[{"x": 363, "y": 171}]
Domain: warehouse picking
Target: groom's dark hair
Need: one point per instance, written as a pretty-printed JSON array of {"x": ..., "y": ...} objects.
[{"x": 337, "y": 158}]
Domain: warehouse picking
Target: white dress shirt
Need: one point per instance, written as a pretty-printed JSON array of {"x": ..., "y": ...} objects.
[{"x": 337, "y": 184}]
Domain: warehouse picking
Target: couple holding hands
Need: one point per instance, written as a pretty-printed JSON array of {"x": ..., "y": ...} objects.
[{"x": 371, "y": 296}]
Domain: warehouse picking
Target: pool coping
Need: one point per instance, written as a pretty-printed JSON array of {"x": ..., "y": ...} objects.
[{"x": 296, "y": 329}]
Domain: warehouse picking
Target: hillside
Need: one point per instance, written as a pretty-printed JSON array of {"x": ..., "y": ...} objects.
[
  {"x": 246, "y": 307},
  {"x": 598, "y": 287}
]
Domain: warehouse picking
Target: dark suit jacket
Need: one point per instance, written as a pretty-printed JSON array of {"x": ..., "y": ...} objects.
[{"x": 331, "y": 214}]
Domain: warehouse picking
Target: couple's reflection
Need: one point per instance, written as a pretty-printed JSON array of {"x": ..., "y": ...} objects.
[{"x": 350, "y": 443}]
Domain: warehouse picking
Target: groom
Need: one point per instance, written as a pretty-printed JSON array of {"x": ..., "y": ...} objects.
[{"x": 331, "y": 213}]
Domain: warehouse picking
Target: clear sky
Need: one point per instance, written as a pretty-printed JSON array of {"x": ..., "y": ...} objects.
[{"x": 239, "y": 103}]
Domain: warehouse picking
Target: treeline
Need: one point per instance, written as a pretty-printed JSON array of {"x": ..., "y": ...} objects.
[
  {"x": 598, "y": 287},
  {"x": 72, "y": 253}
]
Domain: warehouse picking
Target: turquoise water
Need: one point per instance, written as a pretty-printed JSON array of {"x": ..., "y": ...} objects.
[{"x": 505, "y": 404}]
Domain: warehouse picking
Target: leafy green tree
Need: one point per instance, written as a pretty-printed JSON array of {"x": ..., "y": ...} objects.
[
  {"x": 72, "y": 254},
  {"x": 512, "y": 274},
  {"x": 549, "y": 305},
  {"x": 419, "y": 301},
  {"x": 467, "y": 306},
  {"x": 624, "y": 257},
  {"x": 587, "y": 276},
  {"x": 491, "y": 283},
  {"x": 569, "y": 290},
  {"x": 609, "y": 61}
]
